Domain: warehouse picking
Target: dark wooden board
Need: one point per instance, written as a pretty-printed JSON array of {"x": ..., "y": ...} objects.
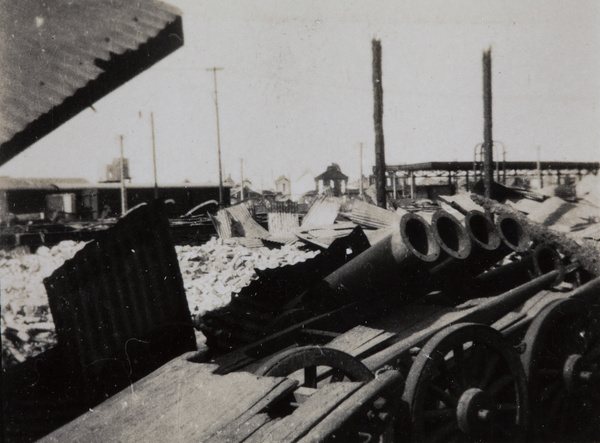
[
  {"x": 389, "y": 383},
  {"x": 293, "y": 427},
  {"x": 360, "y": 340},
  {"x": 182, "y": 401}
]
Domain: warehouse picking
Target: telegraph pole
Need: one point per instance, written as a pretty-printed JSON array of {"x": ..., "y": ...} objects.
[
  {"x": 539, "y": 166},
  {"x": 242, "y": 173},
  {"x": 361, "y": 170},
  {"x": 123, "y": 190},
  {"x": 378, "y": 121},
  {"x": 214, "y": 70},
  {"x": 488, "y": 154},
  {"x": 154, "y": 156}
]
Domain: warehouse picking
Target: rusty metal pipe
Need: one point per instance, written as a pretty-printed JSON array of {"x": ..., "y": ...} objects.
[
  {"x": 389, "y": 265},
  {"x": 450, "y": 234},
  {"x": 451, "y": 275},
  {"x": 588, "y": 292},
  {"x": 482, "y": 231},
  {"x": 513, "y": 233},
  {"x": 546, "y": 259},
  {"x": 502, "y": 278}
]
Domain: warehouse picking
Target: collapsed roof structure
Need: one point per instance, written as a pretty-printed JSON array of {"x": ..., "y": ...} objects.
[{"x": 58, "y": 58}]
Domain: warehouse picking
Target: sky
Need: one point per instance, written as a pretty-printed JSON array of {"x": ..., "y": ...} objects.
[{"x": 295, "y": 92}]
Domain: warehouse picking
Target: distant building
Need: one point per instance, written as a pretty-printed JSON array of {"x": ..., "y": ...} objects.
[
  {"x": 302, "y": 184},
  {"x": 229, "y": 181},
  {"x": 332, "y": 180},
  {"x": 113, "y": 171},
  {"x": 431, "y": 179},
  {"x": 250, "y": 192},
  {"x": 82, "y": 200},
  {"x": 283, "y": 186}
]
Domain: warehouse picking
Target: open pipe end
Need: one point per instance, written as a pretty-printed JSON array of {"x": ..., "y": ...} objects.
[
  {"x": 482, "y": 231},
  {"x": 451, "y": 234},
  {"x": 418, "y": 237},
  {"x": 547, "y": 259},
  {"x": 513, "y": 233}
]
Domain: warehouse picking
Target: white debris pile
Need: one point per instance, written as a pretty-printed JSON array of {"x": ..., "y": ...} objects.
[
  {"x": 27, "y": 327},
  {"x": 213, "y": 271}
]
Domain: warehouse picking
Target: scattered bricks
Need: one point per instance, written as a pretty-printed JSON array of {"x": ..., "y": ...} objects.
[
  {"x": 211, "y": 273},
  {"x": 214, "y": 271}
]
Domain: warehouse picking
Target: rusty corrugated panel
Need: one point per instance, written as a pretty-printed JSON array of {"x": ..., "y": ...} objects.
[
  {"x": 59, "y": 57},
  {"x": 371, "y": 216},
  {"x": 282, "y": 223},
  {"x": 323, "y": 212},
  {"x": 222, "y": 223},
  {"x": 236, "y": 221},
  {"x": 283, "y": 219},
  {"x": 323, "y": 236},
  {"x": 242, "y": 223},
  {"x": 120, "y": 302}
]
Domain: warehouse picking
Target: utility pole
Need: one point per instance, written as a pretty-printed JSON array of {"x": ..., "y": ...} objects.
[
  {"x": 378, "y": 121},
  {"x": 123, "y": 190},
  {"x": 488, "y": 154},
  {"x": 361, "y": 170},
  {"x": 214, "y": 70},
  {"x": 154, "y": 156},
  {"x": 242, "y": 174},
  {"x": 539, "y": 166}
]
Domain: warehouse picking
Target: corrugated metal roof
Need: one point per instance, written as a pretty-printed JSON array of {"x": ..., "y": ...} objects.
[
  {"x": 59, "y": 57},
  {"x": 333, "y": 172},
  {"x": 323, "y": 211},
  {"x": 236, "y": 221},
  {"x": 7, "y": 183},
  {"x": 366, "y": 214}
]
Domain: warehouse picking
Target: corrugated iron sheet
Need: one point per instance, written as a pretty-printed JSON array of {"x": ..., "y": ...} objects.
[
  {"x": 222, "y": 223},
  {"x": 236, "y": 221},
  {"x": 281, "y": 223},
  {"x": 243, "y": 224},
  {"x": 59, "y": 57},
  {"x": 323, "y": 212},
  {"x": 121, "y": 298},
  {"x": 366, "y": 214},
  {"x": 41, "y": 183}
]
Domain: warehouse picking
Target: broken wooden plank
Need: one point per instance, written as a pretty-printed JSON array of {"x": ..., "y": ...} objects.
[
  {"x": 359, "y": 340},
  {"x": 182, "y": 401},
  {"x": 302, "y": 420},
  {"x": 244, "y": 430},
  {"x": 389, "y": 383},
  {"x": 246, "y": 423}
]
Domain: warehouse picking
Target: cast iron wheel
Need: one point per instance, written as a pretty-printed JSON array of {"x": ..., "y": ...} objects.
[
  {"x": 309, "y": 359},
  {"x": 561, "y": 361},
  {"x": 467, "y": 384}
]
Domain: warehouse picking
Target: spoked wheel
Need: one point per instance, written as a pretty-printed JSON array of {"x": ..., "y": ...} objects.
[
  {"x": 561, "y": 360},
  {"x": 467, "y": 384},
  {"x": 318, "y": 364}
]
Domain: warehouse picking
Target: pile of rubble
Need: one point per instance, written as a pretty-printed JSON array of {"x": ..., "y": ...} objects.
[
  {"x": 211, "y": 274},
  {"x": 215, "y": 271},
  {"x": 27, "y": 327}
]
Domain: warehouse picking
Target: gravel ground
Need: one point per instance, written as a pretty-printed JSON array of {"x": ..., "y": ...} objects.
[{"x": 211, "y": 273}]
